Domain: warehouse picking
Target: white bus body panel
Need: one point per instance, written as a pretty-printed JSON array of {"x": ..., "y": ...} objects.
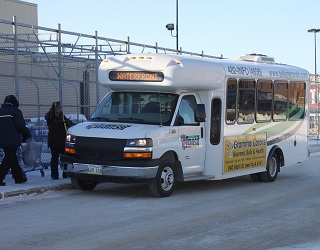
[
  {"x": 250, "y": 70},
  {"x": 192, "y": 73}
]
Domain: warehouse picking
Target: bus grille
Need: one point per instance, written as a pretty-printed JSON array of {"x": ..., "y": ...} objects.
[{"x": 102, "y": 149}]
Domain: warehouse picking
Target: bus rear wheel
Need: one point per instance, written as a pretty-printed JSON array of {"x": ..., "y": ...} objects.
[
  {"x": 83, "y": 184},
  {"x": 272, "y": 169},
  {"x": 255, "y": 177},
  {"x": 165, "y": 181}
]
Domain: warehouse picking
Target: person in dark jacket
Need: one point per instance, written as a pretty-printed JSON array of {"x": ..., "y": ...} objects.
[
  {"x": 13, "y": 131},
  {"x": 58, "y": 125}
]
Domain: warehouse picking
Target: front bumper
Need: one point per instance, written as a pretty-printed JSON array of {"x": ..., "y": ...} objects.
[{"x": 132, "y": 171}]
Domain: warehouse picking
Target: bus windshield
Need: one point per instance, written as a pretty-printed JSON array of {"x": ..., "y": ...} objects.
[{"x": 137, "y": 107}]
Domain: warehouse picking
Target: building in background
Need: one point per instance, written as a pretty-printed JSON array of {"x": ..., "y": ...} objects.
[
  {"x": 32, "y": 68},
  {"x": 25, "y": 11},
  {"x": 314, "y": 101},
  {"x": 40, "y": 69}
]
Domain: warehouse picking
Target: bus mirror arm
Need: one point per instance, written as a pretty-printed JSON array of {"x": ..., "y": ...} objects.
[{"x": 200, "y": 113}]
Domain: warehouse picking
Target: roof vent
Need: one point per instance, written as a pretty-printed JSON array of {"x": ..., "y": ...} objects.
[{"x": 257, "y": 58}]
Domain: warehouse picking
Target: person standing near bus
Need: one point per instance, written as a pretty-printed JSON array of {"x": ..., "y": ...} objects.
[
  {"x": 13, "y": 131},
  {"x": 58, "y": 125}
]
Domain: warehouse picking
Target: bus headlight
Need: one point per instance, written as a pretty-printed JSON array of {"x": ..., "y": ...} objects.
[
  {"x": 143, "y": 142},
  {"x": 140, "y": 148},
  {"x": 71, "y": 138},
  {"x": 70, "y": 144}
]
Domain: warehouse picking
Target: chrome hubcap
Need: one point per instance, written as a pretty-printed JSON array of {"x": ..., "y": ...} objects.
[
  {"x": 167, "y": 178},
  {"x": 272, "y": 167}
]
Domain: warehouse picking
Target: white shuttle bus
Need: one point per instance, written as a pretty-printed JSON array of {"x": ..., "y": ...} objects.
[{"x": 173, "y": 118}]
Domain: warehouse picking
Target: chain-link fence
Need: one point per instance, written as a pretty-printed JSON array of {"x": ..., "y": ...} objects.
[{"x": 43, "y": 65}]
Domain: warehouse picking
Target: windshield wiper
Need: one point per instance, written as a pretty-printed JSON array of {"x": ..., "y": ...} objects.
[
  {"x": 100, "y": 118},
  {"x": 130, "y": 119}
]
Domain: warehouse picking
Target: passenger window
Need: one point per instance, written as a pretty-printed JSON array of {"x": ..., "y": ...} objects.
[
  {"x": 231, "y": 101},
  {"x": 297, "y": 93},
  {"x": 246, "y": 101},
  {"x": 264, "y": 101},
  {"x": 280, "y": 100}
]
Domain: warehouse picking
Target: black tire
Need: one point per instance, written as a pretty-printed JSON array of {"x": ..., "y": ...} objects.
[
  {"x": 255, "y": 177},
  {"x": 83, "y": 184},
  {"x": 272, "y": 169},
  {"x": 164, "y": 183}
]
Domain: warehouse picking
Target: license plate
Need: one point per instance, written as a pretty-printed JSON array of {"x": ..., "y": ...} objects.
[{"x": 95, "y": 170}]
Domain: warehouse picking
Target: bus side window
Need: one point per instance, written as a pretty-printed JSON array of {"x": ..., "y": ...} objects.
[
  {"x": 280, "y": 101},
  {"x": 231, "y": 101},
  {"x": 297, "y": 93},
  {"x": 264, "y": 101},
  {"x": 246, "y": 101}
]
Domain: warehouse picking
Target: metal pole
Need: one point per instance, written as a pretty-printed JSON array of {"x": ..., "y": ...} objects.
[
  {"x": 59, "y": 63},
  {"x": 315, "y": 31},
  {"x": 96, "y": 69},
  {"x": 177, "y": 18},
  {"x": 16, "y": 61},
  {"x": 316, "y": 83}
]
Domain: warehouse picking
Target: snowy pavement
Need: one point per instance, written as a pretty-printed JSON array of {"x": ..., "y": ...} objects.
[
  {"x": 38, "y": 184},
  {"x": 314, "y": 146}
]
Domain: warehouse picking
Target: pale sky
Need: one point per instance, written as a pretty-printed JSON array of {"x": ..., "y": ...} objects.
[{"x": 277, "y": 28}]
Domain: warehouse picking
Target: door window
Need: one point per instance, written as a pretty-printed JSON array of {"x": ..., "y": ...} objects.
[
  {"x": 186, "y": 111},
  {"x": 215, "y": 129}
]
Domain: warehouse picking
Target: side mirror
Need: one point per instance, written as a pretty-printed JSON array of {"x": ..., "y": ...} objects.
[{"x": 200, "y": 113}]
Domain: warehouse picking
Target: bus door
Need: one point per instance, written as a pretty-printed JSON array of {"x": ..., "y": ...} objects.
[{"x": 191, "y": 134}]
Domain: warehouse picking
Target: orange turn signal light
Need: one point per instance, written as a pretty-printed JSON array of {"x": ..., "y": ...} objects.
[
  {"x": 70, "y": 151},
  {"x": 146, "y": 155}
]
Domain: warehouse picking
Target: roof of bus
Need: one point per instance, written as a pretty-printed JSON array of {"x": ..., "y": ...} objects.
[{"x": 187, "y": 70}]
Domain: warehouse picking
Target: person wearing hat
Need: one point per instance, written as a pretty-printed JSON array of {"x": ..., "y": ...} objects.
[
  {"x": 13, "y": 131},
  {"x": 58, "y": 125}
]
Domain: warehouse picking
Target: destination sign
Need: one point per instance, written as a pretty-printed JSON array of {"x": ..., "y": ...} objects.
[{"x": 141, "y": 76}]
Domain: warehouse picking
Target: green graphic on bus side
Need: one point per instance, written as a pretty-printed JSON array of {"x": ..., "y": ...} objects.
[{"x": 280, "y": 126}]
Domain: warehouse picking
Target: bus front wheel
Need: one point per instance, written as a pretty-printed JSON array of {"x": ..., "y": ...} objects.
[
  {"x": 83, "y": 184},
  {"x": 272, "y": 169},
  {"x": 165, "y": 181}
]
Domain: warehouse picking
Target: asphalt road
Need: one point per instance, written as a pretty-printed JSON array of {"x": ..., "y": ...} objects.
[{"x": 230, "y": 214}]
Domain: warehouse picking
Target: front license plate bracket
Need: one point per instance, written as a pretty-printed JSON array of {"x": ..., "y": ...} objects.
[{"x": 95, "y": 170}]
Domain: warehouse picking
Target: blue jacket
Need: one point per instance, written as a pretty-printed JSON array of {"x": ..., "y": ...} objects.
[{"x": 13, "y": 128}]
